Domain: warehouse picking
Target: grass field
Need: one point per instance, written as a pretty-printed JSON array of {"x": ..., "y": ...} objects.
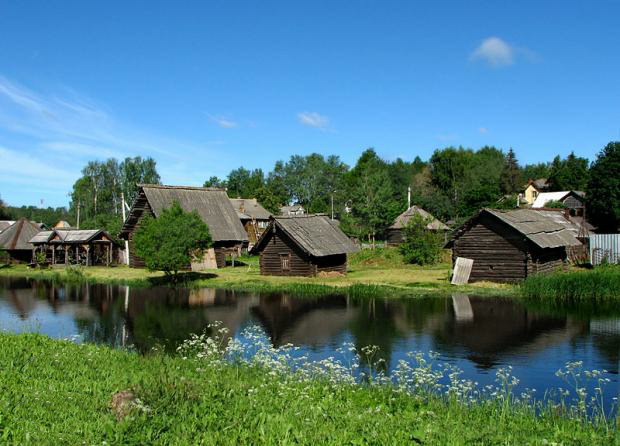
[
  {"x": 58, "y": 392},
  {"x": 378, "y": 272}
]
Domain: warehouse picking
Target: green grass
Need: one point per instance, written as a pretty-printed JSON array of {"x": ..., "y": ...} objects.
[
  {"x": 600, "y": 285},
  {"x": 57, "y": 392},
  {"x": 370, "y": 273}
]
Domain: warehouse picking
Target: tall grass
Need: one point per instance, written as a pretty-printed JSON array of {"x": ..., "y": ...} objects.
[
  {"x": 217, "y": 391},
  {"x": 601, "y": 284}
]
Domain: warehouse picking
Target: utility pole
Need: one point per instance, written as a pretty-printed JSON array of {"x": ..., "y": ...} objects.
[
  {"x": 409, "y": 198},
  {"x": 332, "y": 205},
  {"x": 123, "y": 204},
  {"x": 78, "y": 213}
]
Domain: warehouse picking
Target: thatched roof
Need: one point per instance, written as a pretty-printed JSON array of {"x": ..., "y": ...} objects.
[
  {"x": 538, "y": 228},
  {"x": 18, "y": 235},
  {"x": 315, "y": 234},
  {"x": 249, "y": 208},
  {"x": 402, "y": 220},
  {"x": 213, "y": 206}
]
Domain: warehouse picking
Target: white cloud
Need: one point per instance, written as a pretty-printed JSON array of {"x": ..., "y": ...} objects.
[
  {"x": 495, "y": 51},
  {"x": 313, "y": 119},
  {"x": 223, "y": 121},
  {"x": 483, "y": 130},
  {"x": 445, "y": 137}
]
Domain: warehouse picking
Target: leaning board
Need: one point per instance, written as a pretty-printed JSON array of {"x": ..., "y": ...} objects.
[{"x": 462, "y": 270}]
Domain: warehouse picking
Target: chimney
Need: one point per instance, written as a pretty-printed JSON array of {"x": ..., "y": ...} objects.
[{"x": 409, "y": 197}]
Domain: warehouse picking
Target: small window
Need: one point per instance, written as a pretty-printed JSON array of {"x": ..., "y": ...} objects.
[{"x": 285, "y": 261}]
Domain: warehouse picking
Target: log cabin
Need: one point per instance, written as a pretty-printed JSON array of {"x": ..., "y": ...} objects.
[
  {"x": 509, "y": 246},
  {"x": 253, "y": 216},
  {"x": 394, "y": 234},
  {"x": 15, "y": 240},
  {"x": 303, "y": 245},
  {"x": 211, "y": 204}
]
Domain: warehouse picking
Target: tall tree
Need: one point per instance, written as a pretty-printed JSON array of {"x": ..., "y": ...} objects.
[
  {"x": 511, "y": 176},
  {"x": 603, "y": 189},
  {"x": 569, "y": 174},
  {"x": 4, "y": 213},
  {"x": 215, "y": 182}
]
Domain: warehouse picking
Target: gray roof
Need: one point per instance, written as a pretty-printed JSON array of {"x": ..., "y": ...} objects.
[
  {"x": 249, "y": 208},
  {"x": 42, "y": 237},
  {"x": 5, "y": 224},
  {"x": 576, "y": 225},
  {"x": 285, "y": 210},
  {"x": 18, "y": 235},
  {"x": 402, "y": 220},
  {"x": 537, "y": 227},
  {"x": 213, "y": 206},
  {"x": 316, "y": 234}
]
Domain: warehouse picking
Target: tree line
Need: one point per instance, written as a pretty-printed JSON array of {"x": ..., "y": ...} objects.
[{"x": 452, "y": 184}]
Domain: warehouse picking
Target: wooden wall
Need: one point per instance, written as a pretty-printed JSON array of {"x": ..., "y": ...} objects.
[
  {"x": 140, "y": 210},
  {"x": 394, "y": 236},
  {"x": 499, "y": 253},
  {"x": 337, "y": 263},
  {"x": 546, "y": 260},
  {"x": 270, "y": 257}
]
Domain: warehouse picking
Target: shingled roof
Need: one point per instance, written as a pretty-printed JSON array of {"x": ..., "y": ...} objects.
[
  {"x": 534, "y": 225},
  {"x": 213, "y": 206},
  {"x": 249, "y": 208},
  {"x": 5, "y": 224},
  {"x": 314, "y": 233},
  {"x": 18, "y": 235},
  {"x": 402, "y": 220}
]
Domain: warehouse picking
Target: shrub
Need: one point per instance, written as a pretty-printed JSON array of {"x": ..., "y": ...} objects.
[
  {"x": 170, "y": 242},
  {"x": 421, "y": 246}
]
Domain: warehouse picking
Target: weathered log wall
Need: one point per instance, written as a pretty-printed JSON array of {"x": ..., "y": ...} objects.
[{"x": 277, "y": 246}]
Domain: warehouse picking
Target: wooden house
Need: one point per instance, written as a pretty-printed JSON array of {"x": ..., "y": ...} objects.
[
  {"x": 395, "y": 234},
  {"x": 15, "y": 240},
  {"x": 533, "y": 188},
  {"x": 253, "y": 216},
  {"x": 88, "y": 247},
  {"x": 213, "y": 206},
  {"x": 573, "y": 200},
  {"x": 303, "y": 245},
  {"x": 508, "y": 246},
  {"x": 295, "y": 209},
  {"x": 62, "y": 224}
]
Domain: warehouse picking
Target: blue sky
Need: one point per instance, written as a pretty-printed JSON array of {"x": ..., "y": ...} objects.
[{"x": 204, "y": 87}]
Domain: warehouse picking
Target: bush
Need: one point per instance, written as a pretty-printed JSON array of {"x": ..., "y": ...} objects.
[
  {"x": 421, "y": 246},
  {"x": 170, "y": 242}
]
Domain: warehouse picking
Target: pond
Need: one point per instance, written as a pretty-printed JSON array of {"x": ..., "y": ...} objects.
[{"x": 477, "y": 334}]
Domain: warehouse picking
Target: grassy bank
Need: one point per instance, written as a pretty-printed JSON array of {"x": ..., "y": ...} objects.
[
  {"x": 600, "y": 285},
  {"x": 371, "y": 273},
  {"x": 57, "y": 392}
]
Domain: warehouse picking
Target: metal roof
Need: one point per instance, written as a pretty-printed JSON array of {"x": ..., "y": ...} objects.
[
  {"x": 18, "y": 235},
  {"x": 402, "y": 220},
  {"x": 545, "y": 197},
  {"x": 316, "y": 234},
  {"x": 536, "y": 227},
  {"x": 213, "y": 206},
  {"x": 249, "y": 208}
]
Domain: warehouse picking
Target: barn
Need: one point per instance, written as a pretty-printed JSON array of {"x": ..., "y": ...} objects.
[
  {"x": 303, "y": 245},
  {"x": 212, "y": 205},
  {"x": 509, "y": 246},
  {"x": 15, "y": 240},
  {"x": 394, "y": 234}
]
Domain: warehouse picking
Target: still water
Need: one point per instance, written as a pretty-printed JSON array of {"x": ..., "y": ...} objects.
[{"x": 477, "y": 334}]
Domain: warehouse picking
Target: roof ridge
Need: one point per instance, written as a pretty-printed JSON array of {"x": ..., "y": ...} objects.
[{"x": 164, "y": 186}]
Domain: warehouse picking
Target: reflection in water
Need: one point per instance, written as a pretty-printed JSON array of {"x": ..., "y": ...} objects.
[{"x": 477, "y": 334}]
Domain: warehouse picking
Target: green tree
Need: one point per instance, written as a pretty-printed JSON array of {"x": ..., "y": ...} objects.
[
  {"x": 511, "y": 176},
  {"x": 569, "y": 174},
  {"x": 4, "y": 212},
  {"x": 421, "y": 246},
  {"x": 215, "y": 182},
  {"x": 534, "y": 172},
  {"x": 170, "y": 242},
  {"x": 603, "y": 189},
  {"x": 555, "y": 204},
  {"x": 268, "y": 200}
]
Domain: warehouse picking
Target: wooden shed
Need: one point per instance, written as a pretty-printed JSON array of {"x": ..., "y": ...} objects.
[
  {"x": 213, "y": 206},
  {"x": 395, "y": 235},
  {"x": 15, "y": 240},
  {"x": 87, "y": 247},
  {"x": 508, "y": 246},
  {"x": 303, "y": 245},
  {"x": 253, "y": 216}
]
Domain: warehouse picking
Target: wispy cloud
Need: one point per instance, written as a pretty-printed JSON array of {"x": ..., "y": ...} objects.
[
  {"x": 313, "y": 119},
  {"x": 483, "y": 130},
  {"x": 223, "y": 121},
  {"x": 446, "y": 137},
  {"x": 494, "y": 51},
  {"x": 48, "y": 138}
]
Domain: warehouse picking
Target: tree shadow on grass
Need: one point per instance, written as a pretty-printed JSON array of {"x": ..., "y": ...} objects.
[{"x": 183, "y": 279}]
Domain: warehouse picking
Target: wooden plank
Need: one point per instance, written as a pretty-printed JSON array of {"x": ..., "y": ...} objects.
[
  {"x": 462, "y": 308},
  {"x": 462, "y": 270}
]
